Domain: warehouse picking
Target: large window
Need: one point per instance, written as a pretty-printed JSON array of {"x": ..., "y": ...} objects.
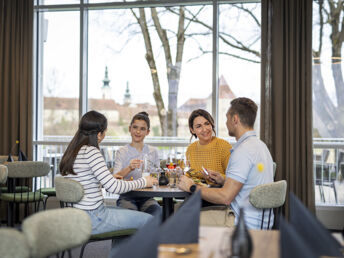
[
  {"x": 159, "y": 59},
  {"x": 58, "y": 73},
  {"x": 328, "y": 101}
]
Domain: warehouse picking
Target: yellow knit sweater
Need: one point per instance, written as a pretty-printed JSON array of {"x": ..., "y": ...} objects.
[{"x": 213, "y": 156}]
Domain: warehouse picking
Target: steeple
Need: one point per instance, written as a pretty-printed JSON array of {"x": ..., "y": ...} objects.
[
  {"x": 106, "y": 89},
  {"x": 127, "y": 96}
]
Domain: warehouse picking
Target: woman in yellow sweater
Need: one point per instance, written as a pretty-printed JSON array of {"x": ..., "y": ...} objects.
[{"x": 209, "y": 152}]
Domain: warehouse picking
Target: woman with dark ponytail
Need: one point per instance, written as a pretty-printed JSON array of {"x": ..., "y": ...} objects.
[{"x": 83, "y": 162}]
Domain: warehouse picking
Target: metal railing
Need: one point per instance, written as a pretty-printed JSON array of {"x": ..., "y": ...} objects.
[{"x": 328, "y": 160}]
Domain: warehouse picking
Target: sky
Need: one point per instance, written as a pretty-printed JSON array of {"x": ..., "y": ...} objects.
[{"x": 119, "y": 47}]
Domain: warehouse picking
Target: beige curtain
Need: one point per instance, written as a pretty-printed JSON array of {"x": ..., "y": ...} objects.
[
  {"x": 286, "y": 99},
  {"x": 16, "y": 36}
]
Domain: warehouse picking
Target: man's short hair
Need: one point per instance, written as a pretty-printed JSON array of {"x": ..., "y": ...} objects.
[{"x": 246, "y": 109}]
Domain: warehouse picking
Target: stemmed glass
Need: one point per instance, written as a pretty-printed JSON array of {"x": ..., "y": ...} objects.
[{"x": 185, "y": 163}]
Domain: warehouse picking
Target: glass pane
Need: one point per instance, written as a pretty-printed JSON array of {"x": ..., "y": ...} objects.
[
  {"x": 239, "y": 57},
  {"x": 328, "y": 102},
  {"x": 122, "y": 76},
  {"x": 58, "y": 2},
  {"x": 59, "y": 73}
]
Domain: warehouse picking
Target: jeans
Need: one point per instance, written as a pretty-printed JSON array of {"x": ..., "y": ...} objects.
[
  {"x": 106, "y": 219},
  {"x": 148, "y": 205}
]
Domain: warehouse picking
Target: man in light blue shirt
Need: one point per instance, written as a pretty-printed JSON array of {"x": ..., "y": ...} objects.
[{"x": 250, "y": 165}]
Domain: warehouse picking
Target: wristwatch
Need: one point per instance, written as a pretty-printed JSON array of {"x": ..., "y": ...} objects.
[{"x": 193, "y": 188}]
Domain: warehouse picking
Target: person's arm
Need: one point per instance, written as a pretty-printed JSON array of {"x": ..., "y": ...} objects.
[
  {"x": 103, "y": 175},
  {"x": 120, "y": 169},
  {"x": 224, "y": 195}
]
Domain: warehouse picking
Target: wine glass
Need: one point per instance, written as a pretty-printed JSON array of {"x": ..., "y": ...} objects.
[{"x": 185, "y": 164}]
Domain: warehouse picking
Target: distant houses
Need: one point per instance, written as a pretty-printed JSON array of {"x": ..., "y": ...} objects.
[{"x": 61, "y": 114}]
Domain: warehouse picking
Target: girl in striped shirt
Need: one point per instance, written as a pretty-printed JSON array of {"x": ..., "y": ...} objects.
[{"x": 83, "y": 162}]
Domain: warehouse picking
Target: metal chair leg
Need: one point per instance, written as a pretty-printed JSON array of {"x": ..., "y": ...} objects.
[{"x": 83, "y": 249}]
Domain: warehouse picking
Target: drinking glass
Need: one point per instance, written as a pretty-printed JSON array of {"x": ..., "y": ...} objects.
[
  {"x": 172, "y": 174},
  {"x": 185, "y": 164},
  {"x": 156, "y": 174}
]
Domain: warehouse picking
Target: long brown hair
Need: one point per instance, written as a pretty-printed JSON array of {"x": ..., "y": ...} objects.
[
  {"x": 90, "y": 125},
  {"x": 202, "y": 113}
]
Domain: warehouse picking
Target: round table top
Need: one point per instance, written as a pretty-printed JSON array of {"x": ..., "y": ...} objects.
[{"x": 157, "y": 191}]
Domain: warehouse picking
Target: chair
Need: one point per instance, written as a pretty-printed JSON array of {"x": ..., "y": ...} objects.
[
  {"x": 53, "y": 231},
  {"x": 23, "y": 184},
  {"x": 68, "y": 192},
  {"x": 268, "y": 196},
  {"x": 3, "y": 174},
  {"x": 13, "y": 244},
  {"x": 3, "y": 158}
]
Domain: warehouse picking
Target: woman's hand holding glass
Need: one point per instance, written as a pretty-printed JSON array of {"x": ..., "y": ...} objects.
[{"x": 150, "y": 181}]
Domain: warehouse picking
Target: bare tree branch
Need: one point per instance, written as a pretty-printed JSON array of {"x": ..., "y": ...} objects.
[{"x": 241, "y": 7}]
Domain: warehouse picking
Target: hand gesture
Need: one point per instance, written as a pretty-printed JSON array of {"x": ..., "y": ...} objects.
[
  {"x": 150, "y": 181},
  {"x": 214, "y": 176},
  {"x": 134, "y": 163}
]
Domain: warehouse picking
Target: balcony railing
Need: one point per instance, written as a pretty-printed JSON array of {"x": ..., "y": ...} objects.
[{"x": 328, "y": 161}]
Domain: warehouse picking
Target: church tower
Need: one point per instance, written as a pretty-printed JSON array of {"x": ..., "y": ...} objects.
[
  {"x": 127, "y": 96},
  {"x": 106, "y": 89}
]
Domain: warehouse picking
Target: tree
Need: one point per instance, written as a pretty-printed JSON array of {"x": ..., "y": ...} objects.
[{"x": 186, "y": 17}]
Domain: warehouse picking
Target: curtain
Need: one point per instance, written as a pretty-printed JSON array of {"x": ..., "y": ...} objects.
[
  {"x": 16, "y": 37},
  {"x": 286, "y": 99}
]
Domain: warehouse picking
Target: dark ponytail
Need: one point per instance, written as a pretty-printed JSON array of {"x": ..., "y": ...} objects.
[{"x": 90, "y": 125}]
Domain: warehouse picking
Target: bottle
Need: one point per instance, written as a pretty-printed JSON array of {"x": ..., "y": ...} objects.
[
  {"x": 163, "y": 180},
  {"x": 241, "y": 239}
]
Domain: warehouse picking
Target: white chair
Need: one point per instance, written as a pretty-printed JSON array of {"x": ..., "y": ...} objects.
[
  {"x": 13, "y": 244},
  {"x": 268, "y": 196},
  {"x": 52, "y": 231}
]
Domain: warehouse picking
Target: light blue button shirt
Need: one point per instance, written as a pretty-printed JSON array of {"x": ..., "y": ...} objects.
[
  {"x": 247, "y": 153},
  {"x": 126, "y": 153}
]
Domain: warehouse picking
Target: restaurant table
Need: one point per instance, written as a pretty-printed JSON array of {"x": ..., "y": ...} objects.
[
  {"x": 212, "y": 243},
  {"x": 166, "y": 192}
]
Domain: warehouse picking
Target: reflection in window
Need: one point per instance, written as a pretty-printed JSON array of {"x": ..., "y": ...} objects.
[{"x": 328, "y": 101}]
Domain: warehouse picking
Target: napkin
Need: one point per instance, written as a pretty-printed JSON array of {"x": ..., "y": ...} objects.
[
  {"x": 311, "y": 230},
  {"x": 292, "y": 244},
  {"x": 183, "y": 226},
  {"x": 144, "y": 243}
]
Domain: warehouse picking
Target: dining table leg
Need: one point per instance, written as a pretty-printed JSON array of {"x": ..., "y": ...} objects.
[{"x": 167, "y": 209}]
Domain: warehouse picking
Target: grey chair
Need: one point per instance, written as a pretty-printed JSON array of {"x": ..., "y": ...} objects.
[
  {"x": 13, "y": 244},
  {"x": 53, "y": 231},
  {"x": 24, "y": 180},
  {"x": 3, "y": 174},
  {"x": 68, "y": 192},
  {"x": 268, "y": 196}
]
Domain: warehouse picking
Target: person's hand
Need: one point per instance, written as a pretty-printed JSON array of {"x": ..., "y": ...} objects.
[
  {"x": 134, "y": 163},
  {"x": 150, "y": 181},
  {"x": 185, "y": 183},
  {"x": 214, "y": 176},
  {"x": 118, "y": 176}
]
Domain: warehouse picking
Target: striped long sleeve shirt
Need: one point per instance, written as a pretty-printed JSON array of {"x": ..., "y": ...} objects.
[{"x": 93, "y": 174}]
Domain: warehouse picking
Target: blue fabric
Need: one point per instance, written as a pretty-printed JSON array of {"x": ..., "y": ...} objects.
[
  {"x": 106, "y": 219},
  {"x": 247, "y": 156}
]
